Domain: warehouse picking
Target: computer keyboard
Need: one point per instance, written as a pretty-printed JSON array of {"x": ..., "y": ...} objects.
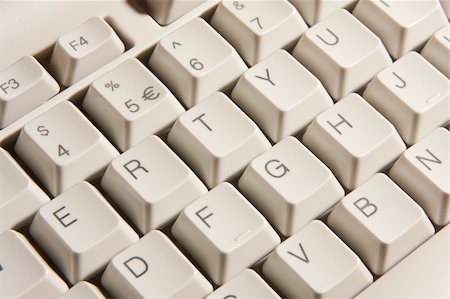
[{"x": 225, "y": 149}]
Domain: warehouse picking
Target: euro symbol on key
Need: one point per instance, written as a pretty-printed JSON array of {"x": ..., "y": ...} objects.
[{"x": 149, "y": 94}]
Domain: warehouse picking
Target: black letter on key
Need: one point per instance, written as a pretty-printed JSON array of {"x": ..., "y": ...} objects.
[
  {"x": 422, "y": 159},
  {"x": 279, "y": 166},
  {"x": 303, "y": 256},
  {"x": 366, "y": 205},
  {"x": 343, "y": 121},
  {"x": 331, "y": 43},
  {"x": 204, "y": 218},
  {"x": 60, "y": 219},
  {"x": 137, "y": 260},
  {"x": 202, "y": 121},
  {"x": 267, "y": 78},
  {"x": 137, "y": 167}
]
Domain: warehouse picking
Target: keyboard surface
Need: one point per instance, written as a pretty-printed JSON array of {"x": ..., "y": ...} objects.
[{"x": 225, "y": 149}]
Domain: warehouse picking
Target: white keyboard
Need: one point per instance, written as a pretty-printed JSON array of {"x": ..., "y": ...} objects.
[{"x": 225, "y": 149}]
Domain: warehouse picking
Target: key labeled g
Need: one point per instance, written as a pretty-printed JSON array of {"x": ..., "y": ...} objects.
[{"x": 276, "y": 169}]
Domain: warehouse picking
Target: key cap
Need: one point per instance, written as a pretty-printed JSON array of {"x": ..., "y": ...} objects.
[
  {"x": 353, "y": 140},
  {"x": 20, "y": 197},
  {"x": 314, "y": 11},
  {"x": 24, "y": 86},
  {"x": 81, "y": 232},
  {"x": 290, "y": 186},
  {"x": 84, "y": 50},
  {"x": 381, "y": 223},
  {"x": 423, "y": 172},
  {"x": 223, "y": 248},
  {"x": 151, "y": 184},
  {"x": 422, "y": 274},
  {"x": 412, "y": 95},
  {"x": 342, "y": 53},
  {"x": 195, "y": 61},
  {"x": 23, "y": 273},
  {"x": 280, "y": 95},
  {"x": 62, "y": 148},
  {"x": 314, "y": 263},
  {"x": 216, "y": 139},
  {"x": 258, "y": 28},
  {"x": 166, "y": 11},
  {"x": 143, "y": 271},
  {"x": 403, "y": 26},
  {"x": 437, "y": 50},
  {"x": 82, "y": 290},
  {"x": 246, "y": 284},
  {"x": 129, "y": 103}
]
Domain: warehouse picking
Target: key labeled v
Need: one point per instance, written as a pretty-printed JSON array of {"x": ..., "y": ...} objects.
[{"x": 301, "y": 255}]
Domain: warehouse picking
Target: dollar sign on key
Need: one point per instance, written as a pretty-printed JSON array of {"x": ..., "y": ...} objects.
[{"x": 43, "y": 131}]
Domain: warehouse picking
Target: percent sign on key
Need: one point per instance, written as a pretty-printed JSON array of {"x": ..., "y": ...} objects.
[{"x": 112, "y": 85}]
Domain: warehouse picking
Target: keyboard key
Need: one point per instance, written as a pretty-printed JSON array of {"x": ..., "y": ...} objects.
[
  {"x": 314, "y": 11},
  {"x": 422, "y": 274},
  {"x": 221, "y": 246},
  {"x": 280, "y": 95},
  {"x": 151, "y": 184},
  {"x": 217, "y": 139},
  {"x": 258, "y": 28},
  {"x": 81, "y": 232},
  {"x": 154, "y": 268},
  {"x": 246, "y": 284},
  {"x": 437, "y": 50},
  {"x": 84, "y": 50},
  {"x": 129, "y": 103},
  {"x": 423, "y": 172},
  {"x": 166, "y": 11},
  {"x": 381, "y": 223},
  {"x": 194, "y": 61},
  {"x": 412, "y": 95},
  {"x": 24, "y": 86},
  {"x": 314, "y": 263},
  {"x": 20, "y": 197},
  {"x": 354, "y": 140},
  {"x": 62, "y": 148},
  {"x": 290, "y": 186},
  {"x": 342, "y": 53},
  {"x": 82, "y": 290},
  {"x": 403, "y": 26},
  {"x": 23, "y": 273}
]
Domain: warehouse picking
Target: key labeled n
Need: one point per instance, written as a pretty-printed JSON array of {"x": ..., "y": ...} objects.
[{"x": 300, "y": 254}]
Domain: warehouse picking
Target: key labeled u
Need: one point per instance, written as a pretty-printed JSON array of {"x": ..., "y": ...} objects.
[{"x": 332, "y": 38}]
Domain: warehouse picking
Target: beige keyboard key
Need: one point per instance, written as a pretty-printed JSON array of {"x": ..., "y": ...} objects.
[
  {"x": 23, "y": 273},
  {"x": 224, "y": 233},
  {"x": 437, "y": 50},
  {"x": 412, "y": 95},
  {"x": 314, "y": 11},
  {"x": 381, "y": 223},
  {"x": 20, "y": 197},
  {"x": 151, "y": 184},
  {"x": 216, "y": 139},
  {"x": 354, "y": 140},
  {"x": 81, "y": 232},
  {"x": 154, "y": 268},
  {"x": 258, "y": 28},
  {"x": 82, "y": 290},
  {"x": 166, "y": 11},
  {"x": 62, "y": 148},
  {"x": 342, "y": 53},
  {"x": 129, "y": 103},
  {"x": 280, "y": 95},
  {"x": 423, "y": 172},
  {"x": 194, "y": 61},
  {"x": 422, "y": 274},
  {"x": 403, "y": 26},
  {"x": 84, "y": 50},
  {"x": 314, "y": 263},
  {"x": 290, "y": 186},
  {"x": 24, "y": 86},
  {"x": 247, "y": 284}
]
